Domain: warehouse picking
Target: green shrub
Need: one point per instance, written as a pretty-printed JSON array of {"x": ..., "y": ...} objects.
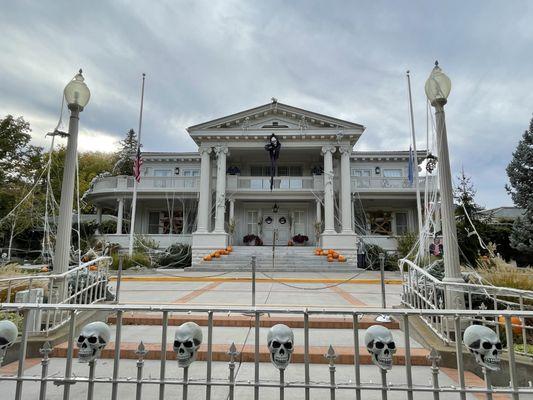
[
  {"x": 108, "y": 227},
  {"x": 138, "y": 259},
  {"x": 406, "y": 244},
  {"x": 372, "y": 258},
  {"x": 176, "y": 256}
]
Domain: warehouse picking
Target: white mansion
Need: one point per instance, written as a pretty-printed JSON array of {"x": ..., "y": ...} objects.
[{"x": 216, "y": 196}]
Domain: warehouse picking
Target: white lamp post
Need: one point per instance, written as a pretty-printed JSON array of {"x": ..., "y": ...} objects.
[
  {"x": 77, "y": 96},
  {"x": 438, "y": 87}
]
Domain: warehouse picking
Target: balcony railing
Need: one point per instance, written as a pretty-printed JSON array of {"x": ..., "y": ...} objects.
[
  {"x": 281, "y": 183},
  {"x": 362, "y": 183},
  {"x": 147, "y": 183}
]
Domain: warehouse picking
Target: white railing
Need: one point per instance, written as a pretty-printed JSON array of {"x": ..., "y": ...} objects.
[
  {"x": 423, "y": 291},
  {"x": 147, "y": 183},
  {"x": 85, "y": 284},
  {"x": 280, "y": 183},
  {"x": 163, "y": 240},
  {"x": 209, "y": 381},
  {"x": 383, "y": 184}
]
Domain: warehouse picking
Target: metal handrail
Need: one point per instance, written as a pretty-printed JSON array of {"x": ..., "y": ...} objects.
[{"x": 61, "y": 275}]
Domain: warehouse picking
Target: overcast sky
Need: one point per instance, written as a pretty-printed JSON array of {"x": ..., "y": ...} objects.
[{"x": 207, "y": 59}]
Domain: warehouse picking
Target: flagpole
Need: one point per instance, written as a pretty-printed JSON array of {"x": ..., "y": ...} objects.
[
  {"x": 135, "y": 182},
  {"x": 417, "y": 183}
]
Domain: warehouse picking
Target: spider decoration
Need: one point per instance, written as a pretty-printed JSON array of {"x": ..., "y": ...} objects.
[
  {"x": 431, "y": 163},
  {"x": 273, "y": 146}
]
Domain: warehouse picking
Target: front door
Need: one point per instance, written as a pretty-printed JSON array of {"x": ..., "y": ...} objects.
[{"x": 276, "y": 222}]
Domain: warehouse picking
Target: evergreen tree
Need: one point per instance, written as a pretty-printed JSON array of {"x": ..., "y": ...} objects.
[
  {"x": 522, "y": 234},
  {"x": 520, "y": 171},
  {"x": 467, "y": 239},
  {"x": 124, "y": 157}
]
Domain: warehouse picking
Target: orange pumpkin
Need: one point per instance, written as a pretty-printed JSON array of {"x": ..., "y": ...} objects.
[
  {"x": 342, "y": 258},
  {"x": 330, "y": 259},
  {"x": 229, "y": 248},
  {"x": 516, "y": 322},
  {"x": 217, "y": 254},
  {"x": 318, "y": 249},
  {"x": 335, "y": 254},
  {"x": 208, "y": 257},
  {"x": 93, "y": 268},
  {"x": 330, "y": 251},
  {"x": 318, "y": 252}
]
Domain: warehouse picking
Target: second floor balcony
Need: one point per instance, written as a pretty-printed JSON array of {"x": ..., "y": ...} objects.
[{"x": 238, "y": 183}]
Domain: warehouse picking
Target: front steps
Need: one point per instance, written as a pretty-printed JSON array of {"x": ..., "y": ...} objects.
[
  {"x": 286, "y": 258},
  {"x": 323, "y": 331}
]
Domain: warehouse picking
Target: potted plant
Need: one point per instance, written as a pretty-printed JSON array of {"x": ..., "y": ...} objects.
[
  {"x": 300, "y": 240},
  {"x": 290, "y": 243},
  {"x": 233, "y": 170},
  {"x": 249, "y": 239},
  {"x": 317, "y": 170}
]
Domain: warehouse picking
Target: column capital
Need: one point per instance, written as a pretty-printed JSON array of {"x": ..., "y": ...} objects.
[
  {"x": 204, "y": 150},
  {"x": 329, "y": 148},
  {"x": 345, "y": 150},
  {"x": 221, "y": 150}
]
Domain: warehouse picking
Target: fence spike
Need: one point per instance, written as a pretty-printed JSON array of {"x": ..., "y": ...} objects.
[
  {"x": 141, "y": 350},
  {"x": 331, "y": 356}
]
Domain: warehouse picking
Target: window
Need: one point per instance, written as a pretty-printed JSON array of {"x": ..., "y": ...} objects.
[
  {"x": 299, "y": 222},
  {"x": 392, "y": 173},
  {"x": 361, "y": 172},
  {"x": 252, "y": 217},
  {"x": 153, "y": 222},
  {"x": 380, "y": 222},
  {"x": 190, "y": 172},
  {"x": 401, "y": 223},
  {"x": 283, "y": 170},
  {"x": 162, "y": 172}
]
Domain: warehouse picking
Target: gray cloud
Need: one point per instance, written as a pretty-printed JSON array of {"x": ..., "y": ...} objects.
[{"x": 206, "y": 59}]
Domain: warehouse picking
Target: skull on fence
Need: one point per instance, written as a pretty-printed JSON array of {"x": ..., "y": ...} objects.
[
  {"x": 380, "y": 345},
  {"x": 485, "y": 344},
  {"x": 92, "y": 340},
  {"x": 187, "y": 340},
  {"x": 280, "y": 341},
  {"x": 8, "y": 335}
]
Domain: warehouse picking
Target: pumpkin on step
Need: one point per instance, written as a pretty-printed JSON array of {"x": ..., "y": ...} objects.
[
  {"x": 208, "y": 257},
  {"x": 217, "y": 254},
  {"x": 229, "y": 249},
  {"x": 318, "y": 252},
  {"x": 342, "y": 258},
  {"x": 330, "y": 259},
  {"x": 335, "y": 255}
]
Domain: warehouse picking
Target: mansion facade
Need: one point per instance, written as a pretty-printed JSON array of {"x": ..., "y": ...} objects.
[{"x": 217, "y": 196}]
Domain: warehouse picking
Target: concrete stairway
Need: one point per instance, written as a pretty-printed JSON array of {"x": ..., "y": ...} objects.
[{"x": 293, "y": 258}]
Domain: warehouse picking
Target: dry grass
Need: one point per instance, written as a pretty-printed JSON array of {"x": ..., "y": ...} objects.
[
  {"x": 499, "y": 273},
  {"x": 12, "y": 271}
]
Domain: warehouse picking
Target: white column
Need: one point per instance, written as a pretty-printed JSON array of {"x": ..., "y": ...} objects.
[
  {"x": 231, "y": 209},
  {"x": 318, "y": 211},
  {"x": 329, "y": 222},
  {"x": 185, "y": 218},
  {"x": 203, "y": 202},
  {"x": 120, "y": 214},
  {"x": 220, "y": 210},
  {"x": 346, "y": 190},
  {"x": 98, "y": 220}
]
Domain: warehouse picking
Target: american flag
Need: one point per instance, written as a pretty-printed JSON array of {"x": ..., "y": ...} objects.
[{"x": 137, "y": 163}]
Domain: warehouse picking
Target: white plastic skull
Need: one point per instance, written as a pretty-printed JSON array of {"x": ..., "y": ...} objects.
[
  {"x": 280, "y": 341},
  {"x": 485, "y": 344},
  {"x": 8, "y": 334},
  {"x": 187, "y": 340},
  {"x": 380, "y": 344},
  {"x": 92, "y": 340}
]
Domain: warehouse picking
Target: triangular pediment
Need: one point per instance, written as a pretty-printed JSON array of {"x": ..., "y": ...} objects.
[{"x": 273, "y": 116}]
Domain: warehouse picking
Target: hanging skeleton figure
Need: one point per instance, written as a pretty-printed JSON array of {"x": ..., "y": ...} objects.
[{"x": 273, "y": 147}]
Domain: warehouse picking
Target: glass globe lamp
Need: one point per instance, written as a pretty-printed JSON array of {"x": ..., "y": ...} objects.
[
  {"x": 77, "y": 93},
  {"x": 438, "y": 86}
]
